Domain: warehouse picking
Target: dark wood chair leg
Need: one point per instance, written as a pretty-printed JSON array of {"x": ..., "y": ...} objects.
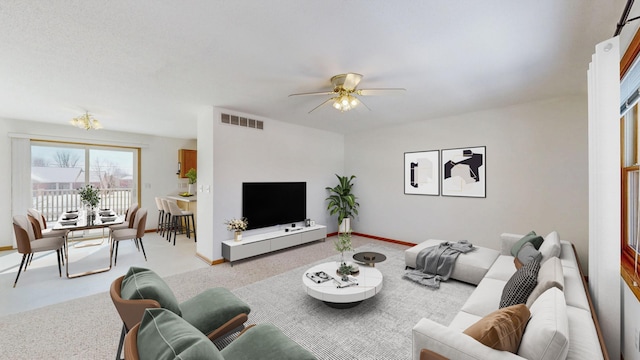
[
  {"x": 115, "y": 259},
  {"x": 121, "y": 343},
  {"x": 193, "y": 221},
  {"x": 59, "y": 263},
  {"x": 24, "y": 257},
  {"x": 142, "y": 246}
]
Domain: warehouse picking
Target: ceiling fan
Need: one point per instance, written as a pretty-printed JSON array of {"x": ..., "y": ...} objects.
[{"x": 344, "y": 95}]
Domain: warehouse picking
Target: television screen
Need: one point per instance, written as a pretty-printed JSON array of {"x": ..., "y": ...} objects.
[{"x": 273, "y": 203}]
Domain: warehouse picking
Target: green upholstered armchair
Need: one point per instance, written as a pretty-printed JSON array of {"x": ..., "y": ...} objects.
[
  {"x": 215, "y": 312},
  {"x": 163, "y": 335}
]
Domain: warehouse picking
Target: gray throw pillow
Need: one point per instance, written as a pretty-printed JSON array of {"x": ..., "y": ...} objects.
[
  {"x": 140, "y": 283},
  {"x": 520, "y": 285},
  {"x": 528, "y": 253},
  {"x": 530, "y": 237}
]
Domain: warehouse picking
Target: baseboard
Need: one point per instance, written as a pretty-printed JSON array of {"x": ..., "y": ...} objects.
[
  {"x": 209, "y": 261},
  {"x": 3, "y": 248},
  {"x": 384, "y": 239}
]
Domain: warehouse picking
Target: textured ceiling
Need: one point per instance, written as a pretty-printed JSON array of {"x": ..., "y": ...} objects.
[{"x": 148, "y": 66}]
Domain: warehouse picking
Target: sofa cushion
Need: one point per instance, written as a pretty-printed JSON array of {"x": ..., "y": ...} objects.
[
  {"x": 165, "y": 335},
  {"x": 502, "y": 329},
  {"x": 527, "y": 254},
  {"x": 265, "y": 341},
  {"x": 546, "y": 336},
  {"x": 550, "y": 246},
  {"x": 212, "y": 308},
  {"x": 502, "y": 268},
  {"x": 140, "y": 283},
  {"x": 530, "y": 237},
  {"x": 485, "y": 299},
  {"x": 521, "y": 284},
  {"x": 550, "y": 275}
]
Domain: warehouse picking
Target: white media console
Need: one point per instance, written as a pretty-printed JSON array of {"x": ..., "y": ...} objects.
[{"x": 272, "y": 241}]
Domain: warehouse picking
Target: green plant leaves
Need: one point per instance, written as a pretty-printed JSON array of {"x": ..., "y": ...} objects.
[{"x": 342, "y": 201}]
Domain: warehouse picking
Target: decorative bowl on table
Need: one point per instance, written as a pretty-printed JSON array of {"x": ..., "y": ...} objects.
[
  {"x": 69, "y": 216},
  {"x": 185, "y": 194},
  {"x": 105, "y": 212}
]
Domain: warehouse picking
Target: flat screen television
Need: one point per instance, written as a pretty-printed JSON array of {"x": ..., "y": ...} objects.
[{"x": 273, "y": 203}]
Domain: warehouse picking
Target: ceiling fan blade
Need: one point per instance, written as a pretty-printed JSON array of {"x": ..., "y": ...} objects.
[
  {"x": 363, "y": 104},
  {"x": 380, "y": 91},
  {"x": 326, "y": 101},
  {"x": 314, "y": 93},
  {"x": 351, "y": 81}
]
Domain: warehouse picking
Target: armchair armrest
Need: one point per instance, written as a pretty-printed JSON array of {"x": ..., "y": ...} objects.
[
  {"x": 507, "y": 241},
  {"x": 452, "y": 344}
]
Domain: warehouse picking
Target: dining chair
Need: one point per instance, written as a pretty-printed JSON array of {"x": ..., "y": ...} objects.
[
  {"x": 40, "y": 225},
  {"x": 136, "y": 233},
  {"x": 129, "y": 215},
  {"x": 29, "y": 245},
  {"x": 215, "y": 312},
  {"x": 177, "y": 217}
]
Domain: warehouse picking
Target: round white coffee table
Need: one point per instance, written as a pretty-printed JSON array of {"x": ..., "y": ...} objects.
[{"x": 369, "y": 284}]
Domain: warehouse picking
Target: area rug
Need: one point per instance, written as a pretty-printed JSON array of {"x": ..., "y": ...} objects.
[{"x": 378, "y": 328}]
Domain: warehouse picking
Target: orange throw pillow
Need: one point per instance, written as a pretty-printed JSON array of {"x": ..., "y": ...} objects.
[{"x": 502, "y": 329}]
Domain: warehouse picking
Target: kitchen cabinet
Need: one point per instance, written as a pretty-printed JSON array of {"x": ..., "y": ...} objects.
[{"x": 188, "y": 159}]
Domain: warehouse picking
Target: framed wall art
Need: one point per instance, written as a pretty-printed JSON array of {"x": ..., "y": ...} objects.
[
  {"x": 464, "y": 172},
  {"x": 421, "y": 173}
]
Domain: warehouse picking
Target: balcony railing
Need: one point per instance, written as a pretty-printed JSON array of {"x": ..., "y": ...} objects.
[{"x": 52, "y": 203}]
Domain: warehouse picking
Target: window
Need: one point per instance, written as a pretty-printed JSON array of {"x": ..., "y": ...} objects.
[
  {"x": 630, "y": 182},
  {"x": 630, "y": 169},
  {"x": 58, "y": 170}
]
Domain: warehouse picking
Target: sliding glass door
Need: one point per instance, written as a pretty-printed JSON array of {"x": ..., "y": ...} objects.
[{"x": 58, "y": 170}]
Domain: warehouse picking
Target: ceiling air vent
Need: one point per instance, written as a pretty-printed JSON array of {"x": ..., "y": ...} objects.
[{"x": 241, "y": 121}]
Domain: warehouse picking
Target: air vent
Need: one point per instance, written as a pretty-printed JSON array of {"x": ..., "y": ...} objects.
[{"x": 241, "y": 121}]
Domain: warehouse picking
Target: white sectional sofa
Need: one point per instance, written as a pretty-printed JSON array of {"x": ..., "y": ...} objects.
[{"x": 562, "y": 324}]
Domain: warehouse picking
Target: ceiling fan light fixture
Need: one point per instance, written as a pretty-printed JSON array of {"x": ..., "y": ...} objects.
[{"x": 86, "y": 121}]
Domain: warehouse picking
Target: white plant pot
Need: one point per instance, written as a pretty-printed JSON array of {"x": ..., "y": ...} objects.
[{"x": 345, "y": 225}]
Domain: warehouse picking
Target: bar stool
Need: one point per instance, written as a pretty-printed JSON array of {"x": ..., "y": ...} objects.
[
  {"x": 177, "y": 216},
  {"x": 160, "y": 214},
  {"x": 166, "y": 220}
]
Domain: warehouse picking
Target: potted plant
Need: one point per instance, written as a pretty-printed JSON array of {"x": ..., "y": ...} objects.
[
  {"x": 90, "y": 196},
  {"x": 193, "y": 177},
  {"x": 343, "y": 202},
  {"x": 343, "y": 244},
  {"x": 237, "y": 226}
]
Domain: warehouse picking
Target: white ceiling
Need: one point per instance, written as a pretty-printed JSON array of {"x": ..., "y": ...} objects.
[{"x": 148, "y": 66}]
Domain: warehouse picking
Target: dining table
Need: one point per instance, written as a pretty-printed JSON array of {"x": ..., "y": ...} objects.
[{"x": 80, "y": 220}]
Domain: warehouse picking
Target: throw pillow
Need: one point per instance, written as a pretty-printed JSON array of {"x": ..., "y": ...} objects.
[
  {"x": 528, "y": 253},
  {"x": 547, "y": 335},
  {"x": 530, "y": 237},
  {"x": 517, "y": 263},
  {"x": 165, "y": 335},
  {"x": 550, "y": 275},
  {"x": 520, "y": 285},
  {"x": 502, "y": 329},
  {"x": 140, "y": 283},
  {"x": 550, "y": 247}
]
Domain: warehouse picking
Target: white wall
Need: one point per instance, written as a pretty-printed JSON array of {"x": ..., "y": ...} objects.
[
  {"x": 280, "y": 152},
  {"x": 630, "y": 328},
  {"x": 158, "y": 165},
  {"x": 536, "y": 170}
]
